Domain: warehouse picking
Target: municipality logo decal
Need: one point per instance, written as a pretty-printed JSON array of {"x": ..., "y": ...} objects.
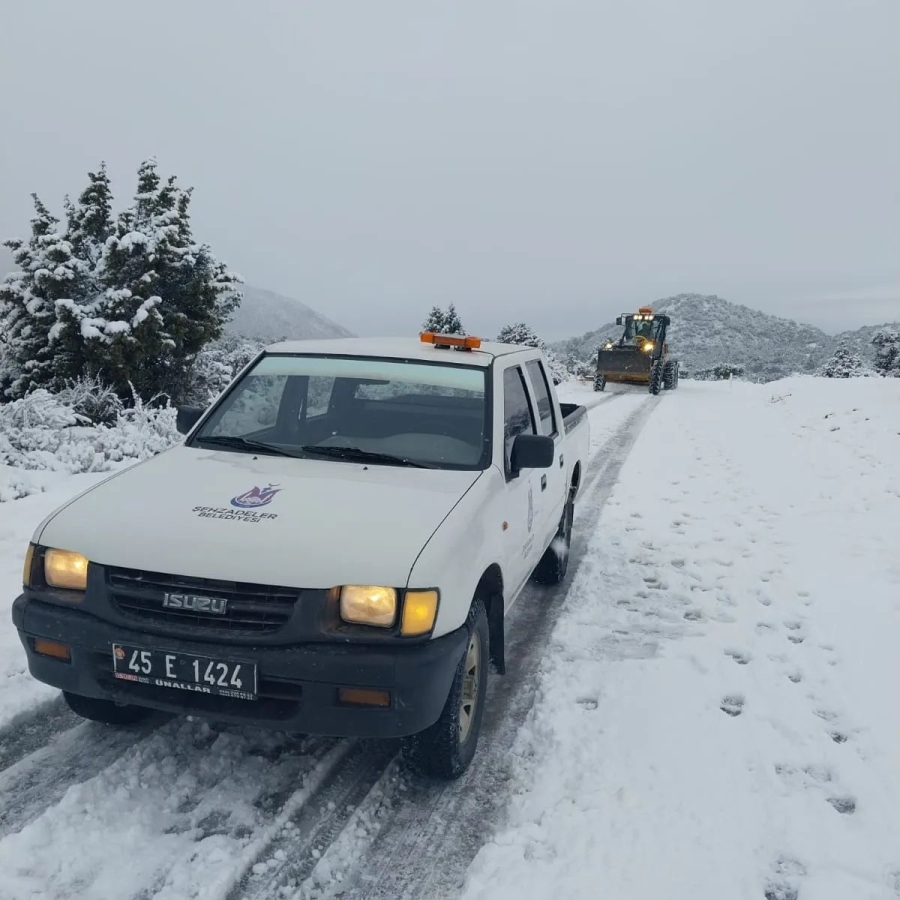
[{"x": 256, "y": 497}]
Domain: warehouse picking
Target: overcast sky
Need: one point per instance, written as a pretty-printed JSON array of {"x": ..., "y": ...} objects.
[{"x": 556, "y": 162}]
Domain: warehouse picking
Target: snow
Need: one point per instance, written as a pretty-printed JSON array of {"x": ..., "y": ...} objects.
[
  {"x": 717, "y": 715},
  {"x": 716, "y": 712}
]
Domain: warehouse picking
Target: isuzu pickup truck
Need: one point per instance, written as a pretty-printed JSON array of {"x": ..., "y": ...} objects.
[{"x": 333, "y": 548}]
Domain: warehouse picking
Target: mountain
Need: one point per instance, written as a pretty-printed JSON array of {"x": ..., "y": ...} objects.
[
  {"x": 267, "y": 316},
  {"x": 707, "y": 331}
]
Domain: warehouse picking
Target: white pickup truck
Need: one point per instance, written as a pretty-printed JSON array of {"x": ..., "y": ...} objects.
[{"x": 401, "y": 493}]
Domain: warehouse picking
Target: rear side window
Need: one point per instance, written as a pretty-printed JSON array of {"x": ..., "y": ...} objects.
[
  {"x": 517, "y": 416},
  {"x": 542, "y": 392}
]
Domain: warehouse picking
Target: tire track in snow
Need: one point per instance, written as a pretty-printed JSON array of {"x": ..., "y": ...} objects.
[
  {"x": 31, "y": 730},
  {"x": 424, "y": 848},
  {"x": 290, "y": 857},
  {"x": 37, "y": 781}
]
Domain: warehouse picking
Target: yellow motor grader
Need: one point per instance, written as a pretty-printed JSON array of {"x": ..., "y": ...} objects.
[{"x": 641, "y": 354}]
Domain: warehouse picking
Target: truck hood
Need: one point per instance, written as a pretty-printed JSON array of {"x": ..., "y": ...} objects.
[{"x": 267, "y": 519}]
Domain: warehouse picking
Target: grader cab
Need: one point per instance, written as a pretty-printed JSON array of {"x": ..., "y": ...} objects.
[{"x": 640, "y": 355}]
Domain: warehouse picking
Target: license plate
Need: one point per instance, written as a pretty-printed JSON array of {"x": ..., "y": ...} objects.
[{"x": 185, "y": 672}]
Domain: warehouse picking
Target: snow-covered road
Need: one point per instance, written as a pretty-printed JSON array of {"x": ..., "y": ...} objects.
[
  {"x": 706, "y": 709},
  {"x": 717, "y": 713}
]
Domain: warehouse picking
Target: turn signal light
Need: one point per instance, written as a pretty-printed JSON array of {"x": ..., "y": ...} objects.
[
  {"x": 53, "y": 648},
  {"x": 419, "y": 612},
  {"x": 29, "y": 562},
  {"x": 364, "y": 697},
  {"x": 450, "y": 340}
]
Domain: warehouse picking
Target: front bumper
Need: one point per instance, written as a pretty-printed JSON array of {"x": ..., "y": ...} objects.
[{"x": 298, "y": 683}]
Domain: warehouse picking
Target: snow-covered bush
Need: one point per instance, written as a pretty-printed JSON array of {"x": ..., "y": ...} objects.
[
  {"x": 887, "y": 358},
  {"x": 41, "y": 432},
  {"x": 217, "y": 365},
  {"x": 89, "y": 397},
  {"x": 717, "y": 373},
  {"x": 845, "y": 363}
]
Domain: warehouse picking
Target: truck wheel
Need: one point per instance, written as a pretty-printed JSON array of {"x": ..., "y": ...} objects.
[
  {"x": 446, "y": 748},
  {"x": 656, "y": 378},
  {"x": 105, "y": 710},
  {"x": 555, "y": 562},
  {"x": 670, "y": 375},
  {"x": 599, "y": 381}
]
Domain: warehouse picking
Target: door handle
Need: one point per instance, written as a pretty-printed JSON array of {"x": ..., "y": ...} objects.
[
  {"x": 543, "y": 482},
  {"x": 561, "y": 460}
]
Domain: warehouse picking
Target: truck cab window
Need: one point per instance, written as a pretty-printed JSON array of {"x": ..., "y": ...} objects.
[
  {"x": 542, "y": 392},
  {"x": 517, "y": 416}
]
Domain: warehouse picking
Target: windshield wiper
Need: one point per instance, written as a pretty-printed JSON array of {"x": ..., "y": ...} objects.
[
  {"x": 357, "y": 454},
  {"x": 241, "y": 443}
]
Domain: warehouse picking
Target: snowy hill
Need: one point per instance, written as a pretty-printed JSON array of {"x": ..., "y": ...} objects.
[
  {"x": 267, "y": 316},
  {"x": 707, "y": 331}
]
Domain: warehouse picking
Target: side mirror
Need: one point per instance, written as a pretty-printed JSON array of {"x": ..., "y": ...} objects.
[
  {"x": 532, "y": 451},
  {"x": 187, "y": 417}
]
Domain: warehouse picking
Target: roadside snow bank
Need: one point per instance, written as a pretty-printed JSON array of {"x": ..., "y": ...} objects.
[{"x": 716, "y": 715}]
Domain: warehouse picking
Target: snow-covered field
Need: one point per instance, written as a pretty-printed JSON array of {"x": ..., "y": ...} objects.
[
  {"x": 717, "y": 714},
  {"x": 714, "y": 713}
]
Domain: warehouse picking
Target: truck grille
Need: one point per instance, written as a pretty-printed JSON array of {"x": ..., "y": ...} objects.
[{"x": 250, "y": 608}]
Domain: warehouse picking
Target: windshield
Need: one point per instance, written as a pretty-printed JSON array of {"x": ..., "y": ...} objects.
[
  {"x": 356, "y": 409},
  {"x": 643, "y": 329}
]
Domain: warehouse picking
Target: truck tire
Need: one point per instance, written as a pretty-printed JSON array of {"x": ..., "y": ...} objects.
[
  {"x": 599, "y": 381},
  {"x": 656, "y": 378},
  {"x": 446, "y": 748},
  {"x": 105, "y": 711},
  {"x": 670, "y": 375},
  {"x": 555, "y": 562}
]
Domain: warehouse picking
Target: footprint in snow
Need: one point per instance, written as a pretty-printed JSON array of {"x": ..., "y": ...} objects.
[
  {"x": 839, "y": 737},
  {"x": 795, "y": 677},
  {"x": 587, "y": 703},
  {"x": 782, "y": 887},
  {"x": 781, "y": 892},
  {"x": 694, "y": 615},
  {"x": 793, "y": 626},
  {"x": 732, "y": 705},
  {"x": 796, "y": 638},
  {"x": 738, "y": 656},
  {"x": 846, "y": 806}
]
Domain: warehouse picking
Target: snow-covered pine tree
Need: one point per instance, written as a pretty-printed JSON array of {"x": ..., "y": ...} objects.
[
  {"x": 887, "y": 355},
  {"x": 434, "y": 321},
  {"x": 47, "y": 273},
  {"x": 90, "y": 226},
  {"x": 164, "y": 296},
  {"x": 845, "y": 363},
  {"x": 452, "y": 323},
  {"x": 519, "y": 333}
]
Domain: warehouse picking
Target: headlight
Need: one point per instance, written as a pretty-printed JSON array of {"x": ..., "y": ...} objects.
[
  {"x": 648, "y": 346},
  {"x": 65, "y": 569},
  {"x": 367, "y": 604}
]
